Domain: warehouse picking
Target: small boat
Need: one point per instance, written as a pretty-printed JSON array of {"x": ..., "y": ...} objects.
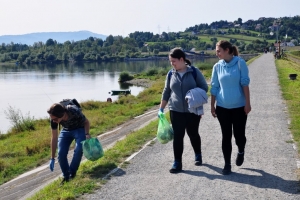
[{"x": 120, "y": 92}]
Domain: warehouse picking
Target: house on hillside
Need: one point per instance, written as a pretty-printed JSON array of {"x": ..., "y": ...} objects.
[
  {"x": 258, "y": 27},
  {"x": 237, "y": 26},
  {"x": 244, "y": 27}
]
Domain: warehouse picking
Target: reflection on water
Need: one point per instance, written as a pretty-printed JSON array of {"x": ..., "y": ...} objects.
[{"x": 33, "y": 88}]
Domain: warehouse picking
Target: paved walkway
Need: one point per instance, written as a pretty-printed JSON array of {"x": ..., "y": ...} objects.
[{"x": 269, "y": 170}]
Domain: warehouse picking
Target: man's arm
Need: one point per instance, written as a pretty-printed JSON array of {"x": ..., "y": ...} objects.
[
  {"x": 87, "y": 128},
  {"x": 54, "y": 140}
]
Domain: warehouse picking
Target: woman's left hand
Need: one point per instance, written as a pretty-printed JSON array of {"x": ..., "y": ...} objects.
[
  {"x": 247, "y": 108},
  {"x": 87, "y": 136}
]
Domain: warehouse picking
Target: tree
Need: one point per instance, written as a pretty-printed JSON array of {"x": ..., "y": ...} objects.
[
  {"x": 240, "y": 21},
  {"x": 155, "y": 51},
  {"x": 110, "y": 40},
  {"x": 50, "y": 42}
]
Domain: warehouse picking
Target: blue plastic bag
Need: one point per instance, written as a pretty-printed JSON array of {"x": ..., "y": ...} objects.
[
  {"x": 92, "y": 149},
  {"x": 164, "y": 131}
]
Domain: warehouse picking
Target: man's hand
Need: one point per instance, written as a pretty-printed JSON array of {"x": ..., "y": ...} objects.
[{"x": 51, "y": 164}]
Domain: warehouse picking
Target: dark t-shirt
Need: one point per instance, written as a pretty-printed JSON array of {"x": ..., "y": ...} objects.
[{"x": 75, "y": 119}]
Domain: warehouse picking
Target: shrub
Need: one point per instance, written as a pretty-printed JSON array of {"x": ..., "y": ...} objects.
[
  {"x": 19, "y": 122},
  {"x": 125, "y": 76},
  {"x": 152, "y": 72}
]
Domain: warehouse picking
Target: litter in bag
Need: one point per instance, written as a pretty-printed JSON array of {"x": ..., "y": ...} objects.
[
  {"x": 164, "y": 131},
  {"x": 92, "y": 149}
]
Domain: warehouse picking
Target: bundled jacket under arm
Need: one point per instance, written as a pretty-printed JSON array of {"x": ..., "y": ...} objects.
[
  {"x": 227, "y": 82},
  {"x": 196, "y": 98},
  {"x": 176, "y": 88}
]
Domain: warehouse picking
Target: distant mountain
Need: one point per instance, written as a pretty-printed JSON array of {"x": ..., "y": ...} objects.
[{"x": 60, "y": 37}]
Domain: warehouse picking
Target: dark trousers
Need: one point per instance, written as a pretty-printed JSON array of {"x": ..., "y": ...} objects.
[
  {"x": 180, "y": 123},
  {"x": 232, "y": 119}
]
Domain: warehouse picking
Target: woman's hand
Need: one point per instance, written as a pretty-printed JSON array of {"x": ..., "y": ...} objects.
[
  {"x": 213, "y": 111},
  {"x": 87, "y": 136},
  {"x": 247, "y": 108}
]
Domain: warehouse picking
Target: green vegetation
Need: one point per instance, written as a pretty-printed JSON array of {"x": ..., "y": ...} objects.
[
  {"x": 125, "y": 76},
  {"x": 291, "y": 93},
  {"x": 295, "y": 53},
  {"x": 22, "y": 151},
  {"x": 251, "y": 36},
  {"x": 90, "y": 175}
]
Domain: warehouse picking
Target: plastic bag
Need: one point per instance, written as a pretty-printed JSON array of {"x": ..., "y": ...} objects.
[
  {"x": 164, "y": 131},
  {"x": 92, "y": 149}
]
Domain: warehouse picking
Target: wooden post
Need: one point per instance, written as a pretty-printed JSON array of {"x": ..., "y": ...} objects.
[{"x": 279, "y": 48}]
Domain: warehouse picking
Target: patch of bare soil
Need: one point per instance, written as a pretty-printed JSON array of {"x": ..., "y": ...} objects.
[{"x": 140, "y": 82}]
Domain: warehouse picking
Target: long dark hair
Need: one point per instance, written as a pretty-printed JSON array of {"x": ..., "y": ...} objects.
[
  {"x": 57, "y": 110},
  {"x": 224, "y": 44},
  {"x": 178, "y": 53}
]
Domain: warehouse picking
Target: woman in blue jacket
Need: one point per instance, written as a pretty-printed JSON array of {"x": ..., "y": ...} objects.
[
  {"x": 183, "y": 78},
  {"x": 230, "y": 91}
]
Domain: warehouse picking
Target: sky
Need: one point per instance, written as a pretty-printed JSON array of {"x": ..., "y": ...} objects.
[{"x": 121, "y": 17}]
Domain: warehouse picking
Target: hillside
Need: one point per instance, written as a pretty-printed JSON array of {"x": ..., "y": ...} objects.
[
  {"x": 251, "y": 36},
  {"x": 60, "y": 37}
]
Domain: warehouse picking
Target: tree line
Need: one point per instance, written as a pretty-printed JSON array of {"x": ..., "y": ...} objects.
[{"x": 145, "y": 44}]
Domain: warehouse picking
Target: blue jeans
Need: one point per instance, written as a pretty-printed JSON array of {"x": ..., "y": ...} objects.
[{"x": 64, "y": 141}]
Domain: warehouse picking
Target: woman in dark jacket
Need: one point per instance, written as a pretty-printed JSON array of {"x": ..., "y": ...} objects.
[{"x": 177, "y": 85}]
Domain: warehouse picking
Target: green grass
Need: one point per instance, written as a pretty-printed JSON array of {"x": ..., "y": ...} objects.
[
  {"x": 90, "y": 174},
  {"x": 295, "y": 53},
  {"x": 291, "y": 93},
  {"x": 22, "y": 151}
]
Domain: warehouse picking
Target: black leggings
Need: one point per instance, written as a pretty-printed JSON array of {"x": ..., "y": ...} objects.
[
  {"x": 181, "y": 122},
  {"x": 232, "y": 119}
]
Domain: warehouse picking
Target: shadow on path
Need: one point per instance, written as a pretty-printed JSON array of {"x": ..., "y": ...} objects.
[{"x": 260, "y": 180}]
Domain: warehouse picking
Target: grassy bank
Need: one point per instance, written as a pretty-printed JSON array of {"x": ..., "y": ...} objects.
[
  {"x": 22, "y": 151},
  {"x": 291, "y": 93}
]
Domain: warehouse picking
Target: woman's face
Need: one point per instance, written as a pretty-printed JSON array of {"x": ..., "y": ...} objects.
[
  {"x": 177, "y": 63},
  {"x": 221, "y": 53}
]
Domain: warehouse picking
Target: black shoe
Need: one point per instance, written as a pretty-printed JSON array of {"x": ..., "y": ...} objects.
[
  {"x": 198, "y": 159},
  {"x": 227, "y": 169},
  {"x": 239, "y": 159},
  {"x": 64, "y": 180},
  {"x": 177, "y": 167}
]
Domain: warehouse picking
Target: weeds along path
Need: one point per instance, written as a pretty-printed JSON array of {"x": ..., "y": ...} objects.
[{"x": 28, "y": 183}]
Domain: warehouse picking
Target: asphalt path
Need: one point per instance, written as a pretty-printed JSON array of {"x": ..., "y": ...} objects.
[{"x": 269, "y": 170}]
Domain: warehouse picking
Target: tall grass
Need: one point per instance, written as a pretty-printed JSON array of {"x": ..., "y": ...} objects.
[
  {"x": 291, "y": 93},
  {"x": 18, "y": 120}
]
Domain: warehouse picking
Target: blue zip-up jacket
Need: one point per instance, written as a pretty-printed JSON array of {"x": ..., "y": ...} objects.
[
  {"x": 227, "y": 82},
  {"x": 176, "y": 88}
]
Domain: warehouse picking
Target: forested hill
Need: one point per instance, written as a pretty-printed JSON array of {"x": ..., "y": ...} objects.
[
  {"x": 251, "y": 36},
  {"x": 61, "y": 37}
]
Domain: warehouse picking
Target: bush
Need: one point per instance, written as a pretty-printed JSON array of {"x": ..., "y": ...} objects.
[
  {"x": 19, "y": 122},
  {"x": 151, "y": 72},
  {"x": 125, "y": 76}
]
